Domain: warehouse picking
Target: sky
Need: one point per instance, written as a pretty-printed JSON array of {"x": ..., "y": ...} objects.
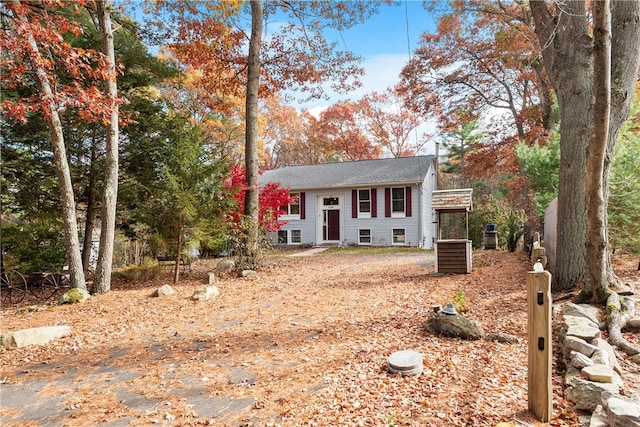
[{"x": 385, "y": 41}]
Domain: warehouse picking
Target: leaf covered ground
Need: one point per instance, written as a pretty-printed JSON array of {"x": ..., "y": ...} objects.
[{"x": 304, "y": 342}]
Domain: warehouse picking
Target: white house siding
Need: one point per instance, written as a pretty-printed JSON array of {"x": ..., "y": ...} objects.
[
  {"x": 381, "y": 227},
  {"x": 428, "y": 216},
  {"x": 419, "y": 227}
]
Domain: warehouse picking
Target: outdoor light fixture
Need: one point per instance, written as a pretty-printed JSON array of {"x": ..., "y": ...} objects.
[{"x": 450, "y": 310}]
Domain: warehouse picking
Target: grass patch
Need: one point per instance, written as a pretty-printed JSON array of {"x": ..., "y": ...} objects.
[{"x": 148, "y": 271}]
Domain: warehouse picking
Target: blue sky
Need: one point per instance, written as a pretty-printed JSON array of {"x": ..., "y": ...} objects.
[{"x": 385, "y": 42}]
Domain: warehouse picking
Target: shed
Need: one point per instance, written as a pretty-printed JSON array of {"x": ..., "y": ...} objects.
[{"x": 453, "y": 247}]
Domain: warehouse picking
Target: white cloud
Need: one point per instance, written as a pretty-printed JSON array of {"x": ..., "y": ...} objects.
[{"x": 381, "y": 72}]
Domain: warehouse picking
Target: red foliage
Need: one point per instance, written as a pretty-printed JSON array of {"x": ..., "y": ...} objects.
[
  {"x": 34, "y": 43},
  {"x": 272, "y": 198}
]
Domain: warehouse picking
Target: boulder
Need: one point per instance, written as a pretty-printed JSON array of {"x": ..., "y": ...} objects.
[
  {"x": 247, "y": 273},
  {"x": 209, "y": 279},
  {"x": 586, "y": 394},
  {"x": 205, "y": 293},
  {"x": 163, "y": 290},
  {"x": 73, "y": 296},
  {"x": 33, "y": 336},
  {"x": 454, "y": 326},
  {"x": 581, "y": 310},
  {"x": 225, "y": 265},
  {"x": 621, "y": 411}
]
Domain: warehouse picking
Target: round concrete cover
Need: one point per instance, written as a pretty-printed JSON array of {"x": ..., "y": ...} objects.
[{"x": 405, "y": 362}]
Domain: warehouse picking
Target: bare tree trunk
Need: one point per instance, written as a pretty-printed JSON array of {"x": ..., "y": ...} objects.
[
  {"x": 62, "y": 170},
  {"x": 596, "y": 243},
  {"x": 251, "y": 205},
  {"x": 102, "y": 280}
]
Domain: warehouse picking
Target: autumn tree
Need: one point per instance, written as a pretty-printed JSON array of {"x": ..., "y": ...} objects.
[
  {"x": 569, "y": 58},
  {"x": 36, "y": 53},
  {"x": 282, "y": 134},
  {"x": 482, "y": 58},
  {"x": 341, "y": 132},
  {"x": 391, "y": 124},
  {"x": 295, "y": 55}
]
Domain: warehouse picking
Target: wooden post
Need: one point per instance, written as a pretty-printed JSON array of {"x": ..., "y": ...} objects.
[{"x": 539, "y": 334}]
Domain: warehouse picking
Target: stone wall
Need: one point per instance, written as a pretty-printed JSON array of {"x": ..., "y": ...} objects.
[{"x": 593, "y": 379}]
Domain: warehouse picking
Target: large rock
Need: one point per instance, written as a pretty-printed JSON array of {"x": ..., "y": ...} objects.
[
  {"x": 585, "y": 394},
  {"x": 454, "y": 326},
  {"x": 73, "y": 296},
  {"x": 209, "y": 279},
  {"x": 621, "y": 411},
  {"x": 581, "y": 310},
  {"x": 205, "y": 293},
  {"x": 163, "y": 290},
  {"x": 33, "y": 336},
  {"x": 225, "y": 265}
]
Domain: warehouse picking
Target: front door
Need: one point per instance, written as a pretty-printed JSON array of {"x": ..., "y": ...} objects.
[
  {"x": 331, "y": 225},
  {"x": 330, "y": 218}
]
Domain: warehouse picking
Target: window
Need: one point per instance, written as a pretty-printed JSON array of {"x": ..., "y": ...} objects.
[
  {"x": 293, "y": 208},
  {"x": 364, "y": 203},
  {"x": 397, "y": 201},
  {"x": 331, "y": 201},
  {"x": 364, "y": 237},
  {"x": 286, "y": 237},
  {"x": 398, "y": 236}
]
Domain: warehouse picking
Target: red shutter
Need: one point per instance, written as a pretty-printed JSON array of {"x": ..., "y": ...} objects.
[
  {"x": 302, "y": 206},
  {"x": 374, "y": 203},
  {"x": 387, "y": 202},
  {"x": 354, "y": 203},
  {"x": 407, "y": 198}
]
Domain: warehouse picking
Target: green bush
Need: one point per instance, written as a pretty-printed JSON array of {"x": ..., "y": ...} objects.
[
  {"x": 508, "y": 222},
  {"x": 34, "y": 246}
]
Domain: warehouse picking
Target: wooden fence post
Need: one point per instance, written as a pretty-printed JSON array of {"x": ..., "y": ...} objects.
[{"x": 539, "y": 334}]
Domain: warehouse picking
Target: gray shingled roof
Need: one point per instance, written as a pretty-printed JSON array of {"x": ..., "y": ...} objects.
[{"x": 402, "y": 170}]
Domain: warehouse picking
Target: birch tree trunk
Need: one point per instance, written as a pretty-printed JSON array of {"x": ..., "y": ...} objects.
[
  {"x": 102, "y": 280},
  {"x": 251, "y": 205},
  {"x": 72, "y": 242}
]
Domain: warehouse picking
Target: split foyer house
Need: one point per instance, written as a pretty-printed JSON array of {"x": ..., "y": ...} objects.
[{"x": 380, "y": 202}]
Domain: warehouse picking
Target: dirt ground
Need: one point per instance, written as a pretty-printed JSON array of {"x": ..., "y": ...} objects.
[{"x": 304, "y": 342}]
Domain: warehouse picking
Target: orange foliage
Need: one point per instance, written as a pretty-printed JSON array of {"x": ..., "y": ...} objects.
[{"x": 33, "y": 41}]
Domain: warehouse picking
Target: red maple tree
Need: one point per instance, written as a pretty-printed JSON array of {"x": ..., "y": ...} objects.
[{"x": 272, "y": 198}]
